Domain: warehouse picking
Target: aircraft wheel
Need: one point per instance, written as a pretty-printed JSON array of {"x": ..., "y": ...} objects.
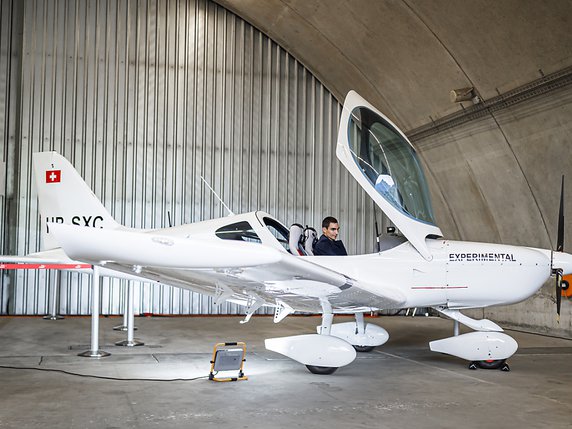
[
  {"x": 364, "y": 349},
  {"x": 491, "y": 364},
  {"x": 322, "y": 370},
  {"x": 565, "y": 285}
]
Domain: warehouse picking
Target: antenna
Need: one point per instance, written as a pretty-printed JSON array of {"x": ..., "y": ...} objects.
[{"x": 230, "y": 212}]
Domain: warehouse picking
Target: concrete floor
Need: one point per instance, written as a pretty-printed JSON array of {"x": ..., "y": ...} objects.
[{"x": 399, "y": 385}]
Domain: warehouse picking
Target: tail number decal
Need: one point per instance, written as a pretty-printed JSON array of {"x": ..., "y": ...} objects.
[{"x": 87, "y": 221}]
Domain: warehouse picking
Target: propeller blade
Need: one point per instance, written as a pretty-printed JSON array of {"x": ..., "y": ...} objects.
[
  {"x": 560, "y": 239},
  {"x": 558, "y": 292}
]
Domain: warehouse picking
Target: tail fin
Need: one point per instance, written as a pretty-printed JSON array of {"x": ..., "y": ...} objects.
[{"x": 64, "y": 197}]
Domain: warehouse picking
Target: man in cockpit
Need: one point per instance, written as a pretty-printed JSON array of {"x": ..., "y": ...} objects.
[{"x": 328, "y": 245}]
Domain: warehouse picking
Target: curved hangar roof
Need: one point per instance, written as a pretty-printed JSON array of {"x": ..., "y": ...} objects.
[{"x": 406, "y": 56}]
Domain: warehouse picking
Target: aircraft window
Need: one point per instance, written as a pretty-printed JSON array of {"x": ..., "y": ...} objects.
[
  {"x": 390, "y": 164},
  {"x": 241, "y": 231},
  {"x": 279, "y": 231}
]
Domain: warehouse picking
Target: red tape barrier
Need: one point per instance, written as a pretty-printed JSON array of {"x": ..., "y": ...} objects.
[{"x": 44, "y": 266}]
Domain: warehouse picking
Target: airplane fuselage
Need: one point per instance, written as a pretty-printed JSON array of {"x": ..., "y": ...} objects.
[{"x": 459, "y": 275}]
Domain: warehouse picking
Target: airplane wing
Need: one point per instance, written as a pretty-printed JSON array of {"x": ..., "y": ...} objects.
[{"x": 240, "y": 271}]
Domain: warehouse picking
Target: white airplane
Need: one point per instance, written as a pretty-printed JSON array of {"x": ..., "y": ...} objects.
[{"x": 252, "y": 259}]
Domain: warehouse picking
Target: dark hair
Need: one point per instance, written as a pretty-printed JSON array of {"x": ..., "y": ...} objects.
[{"x": 328, "y": 220}]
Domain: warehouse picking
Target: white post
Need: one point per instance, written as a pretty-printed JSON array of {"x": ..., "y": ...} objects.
[
  {"x": 130, "y": 315},
  {"x": 94, "y": 352},
  {"x": 55, "y": 287},
  {"x": 130, "y": 342},
  {"x": 123, "y": 326}
]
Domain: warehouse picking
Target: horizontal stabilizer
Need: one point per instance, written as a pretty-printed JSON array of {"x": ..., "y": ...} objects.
[{"x": 53, "y": 256}]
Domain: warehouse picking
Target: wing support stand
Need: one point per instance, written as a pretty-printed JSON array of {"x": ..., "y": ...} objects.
[
  {"x": 123, "y": 326},
  {"x": 130, "y": 341},
  {"x": 222, "y": 293},
  {"x": 281, "y": 311},
  {"x": 253, "y": 304},
  {"x": 95, "y": 352},
  {"x": 55, "y": 287}
]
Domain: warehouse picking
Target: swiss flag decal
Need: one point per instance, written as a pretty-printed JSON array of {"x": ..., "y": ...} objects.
[{"x": 53, "y": 176}]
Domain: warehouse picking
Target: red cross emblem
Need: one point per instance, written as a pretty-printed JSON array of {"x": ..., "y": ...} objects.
[{"x": 53, "y": 176}]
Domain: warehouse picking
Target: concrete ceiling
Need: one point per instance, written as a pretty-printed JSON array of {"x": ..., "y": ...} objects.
[{"x": 405, "y": 56}]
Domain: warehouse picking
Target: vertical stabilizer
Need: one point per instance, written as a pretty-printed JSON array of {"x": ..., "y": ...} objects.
[{"x": 64, "y": 197}]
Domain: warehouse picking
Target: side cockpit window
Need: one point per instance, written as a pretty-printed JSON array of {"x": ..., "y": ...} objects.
[
  {"x": 279, "y": 231},
  {"x": 241, "y": 231}
]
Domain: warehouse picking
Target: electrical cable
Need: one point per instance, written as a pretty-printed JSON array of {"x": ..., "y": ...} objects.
[{"x": 102, "y": 377}]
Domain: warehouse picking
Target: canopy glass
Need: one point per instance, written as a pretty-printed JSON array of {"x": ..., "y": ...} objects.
[{"x": 390, "y": 164}]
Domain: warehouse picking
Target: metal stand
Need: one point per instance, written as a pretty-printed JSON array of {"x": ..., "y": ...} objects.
[
  {"x": 123, "y": 327},
  {"x": 456, "y": 328},
  {"x": 95, "y": 352},
  {"x": 55, "y": 287},
  {"x": 130, "y": 342}
]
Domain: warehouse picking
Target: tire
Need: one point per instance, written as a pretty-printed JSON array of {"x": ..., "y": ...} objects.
[
  {"x": 364, "y": 349},
  {"x": 565, "y": 285},
  {"x": 491, "y": 364},
  {"x": 321, "y": 370}
]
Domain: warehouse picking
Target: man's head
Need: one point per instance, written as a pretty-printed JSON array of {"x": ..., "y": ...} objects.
[{"x": 330, "y": 227}]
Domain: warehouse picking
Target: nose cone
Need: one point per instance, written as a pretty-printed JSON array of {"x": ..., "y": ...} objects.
[{"x": 563, "y": 261}]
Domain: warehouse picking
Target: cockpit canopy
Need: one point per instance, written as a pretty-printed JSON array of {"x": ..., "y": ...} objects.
[{"x": 389, "y": 163}]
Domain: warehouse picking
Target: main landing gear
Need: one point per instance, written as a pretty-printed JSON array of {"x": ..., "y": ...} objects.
[
  {"x": 364, "y": 349},
  {"x": 486, "y": 348},
  {"x": 490, "y": 364},
  {"x": 360, "y": 329},
  {"x": 324, "y": 329},
  {"x": 321, "y": 370}
]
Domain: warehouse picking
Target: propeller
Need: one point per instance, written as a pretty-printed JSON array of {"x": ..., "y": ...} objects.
[{"x": 560, "y": 248}]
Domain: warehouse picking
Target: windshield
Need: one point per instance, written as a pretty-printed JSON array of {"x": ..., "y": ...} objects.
[
  {"x": 390, "y": 164},
  {"x": 279, "y": 231}
]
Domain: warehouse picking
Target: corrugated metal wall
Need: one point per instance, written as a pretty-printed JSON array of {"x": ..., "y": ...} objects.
[{"x": 144, "y": 97}]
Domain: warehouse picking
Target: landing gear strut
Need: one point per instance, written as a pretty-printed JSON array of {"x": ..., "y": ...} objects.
[
  {"x": 360, "y": 330},
  {"x": 325, "y": 329}
]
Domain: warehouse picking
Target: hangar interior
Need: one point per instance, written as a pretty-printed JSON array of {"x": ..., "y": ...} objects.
[{"x": 145, "y": 97}]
